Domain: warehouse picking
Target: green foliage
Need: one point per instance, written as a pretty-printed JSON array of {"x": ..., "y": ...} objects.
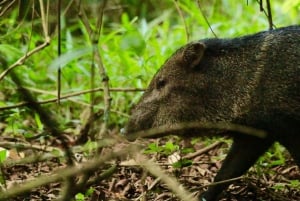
[
  {"x": 79, "y": 197},
  {"x": 166, "y": 149},
  {"x": 294, "y": 184},
  {"x": 38, "y": 121},
  {"x": 3, "y": 155},
  {"x": 170, "y": 149},
  {"x": 10, "y": 52},
  {"x": 89, "y": 147},
  {"x": 85, "y": 196},
  {"x": 274, "y": 157},
  {"x": 182, "y": 163}
]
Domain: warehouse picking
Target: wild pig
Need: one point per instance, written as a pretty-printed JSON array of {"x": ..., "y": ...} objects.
[{"x": 252, "y": 80}]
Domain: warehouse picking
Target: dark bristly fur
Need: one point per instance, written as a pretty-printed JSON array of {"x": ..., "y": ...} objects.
[{"x": 252, "y": 80}]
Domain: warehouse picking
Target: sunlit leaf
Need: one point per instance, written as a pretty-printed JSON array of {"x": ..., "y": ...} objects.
[{"x": 64, "y": 59}]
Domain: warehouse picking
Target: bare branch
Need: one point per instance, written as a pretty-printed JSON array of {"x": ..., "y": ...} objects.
[
  {"x": 68, "y": 95},
  {"x": 196, "y": 126},
  {"x": 23, "y": 58},
  {"x": 94, "y": 38}
]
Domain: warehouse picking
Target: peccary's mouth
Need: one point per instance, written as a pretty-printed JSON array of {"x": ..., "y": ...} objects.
[
  {"x": 133, "y": 129},
  {"x": 139, "y": 121}
]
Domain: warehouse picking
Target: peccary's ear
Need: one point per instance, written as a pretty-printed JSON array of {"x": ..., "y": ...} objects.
[{"x": 192, "y": 54}]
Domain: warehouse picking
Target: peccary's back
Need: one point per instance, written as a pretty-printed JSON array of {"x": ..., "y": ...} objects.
[{"x": 261, "y": 74}]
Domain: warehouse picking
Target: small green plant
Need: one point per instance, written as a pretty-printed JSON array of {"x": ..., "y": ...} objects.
[
  {"x": 274, "y": 157},
  {"x": 166, "y": 149},
  {"x": 293, "y": 184},
  {"x": 3, "y": 156},
  {"x": 79, "y": 197},
  {"x": 170, "y": 149},
  {"x": 182, "y": 163},
  {"x": 82, "y": 197}
]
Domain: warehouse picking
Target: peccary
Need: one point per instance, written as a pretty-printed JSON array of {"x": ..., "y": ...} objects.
[{"x": 252, "y": 80}]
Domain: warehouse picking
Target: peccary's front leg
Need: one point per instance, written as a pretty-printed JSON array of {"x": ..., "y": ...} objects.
[{"x": 242, "y": 155}]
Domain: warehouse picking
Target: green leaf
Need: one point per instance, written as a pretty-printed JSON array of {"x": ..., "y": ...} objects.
[
  {"x": 170, "y": 147},
  {"x": 182, "y": 163},
  {"x": 28, "y": 135},
  {"x": 89, "y": 146},
  {"x": 64, "y": 59},
  {"x": 10, "y": 52},
  {"x": 38, "y": 121},
  {"x": 79, "y": 197},
  {"x": 3, "y": 155},
  {"x": 89, "y": 192},
  {"x": 187, "y": 150},
  {"x": 133, "y": 41},
  {"x": 153, "y": 148},
  {"x": 295, "y": 183}
]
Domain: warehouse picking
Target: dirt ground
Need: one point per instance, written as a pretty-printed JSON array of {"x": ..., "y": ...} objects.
[{"x": 131, "y": 182}]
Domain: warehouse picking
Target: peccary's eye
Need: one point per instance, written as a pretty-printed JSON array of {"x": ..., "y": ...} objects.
[{"x": 160, "y": 83}]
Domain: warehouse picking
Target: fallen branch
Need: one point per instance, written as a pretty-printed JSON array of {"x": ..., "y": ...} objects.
[{"x": 181, "y": 128}]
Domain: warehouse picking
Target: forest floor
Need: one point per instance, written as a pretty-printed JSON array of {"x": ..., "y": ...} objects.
[{"x": 131, "y": 182}]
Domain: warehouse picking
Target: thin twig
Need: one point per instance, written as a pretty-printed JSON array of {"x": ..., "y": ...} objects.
[
  {"x": 202, "y": 151},
  {"x": 222, "y": 182},
  {"x": 58, "y": 50},
  {"x": 94, "y": 37},
  {"x": 44, "y": 19},
  {"x": 182, "y": 18},
  {"x": 3, "y": 2},
  {"x": 67, "y": 95},
  {"x": 24, "y": 146},
  {"x": 267, "y": 13},
  {"x": 103, "y": 74},
  {"x": 7, "y": 8},
  {"x": 49, "y": 152},
  {"x": 206, "y": 20},
  {"x": 270, "y": 15},
  {"x": 85, "y": 91}
]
